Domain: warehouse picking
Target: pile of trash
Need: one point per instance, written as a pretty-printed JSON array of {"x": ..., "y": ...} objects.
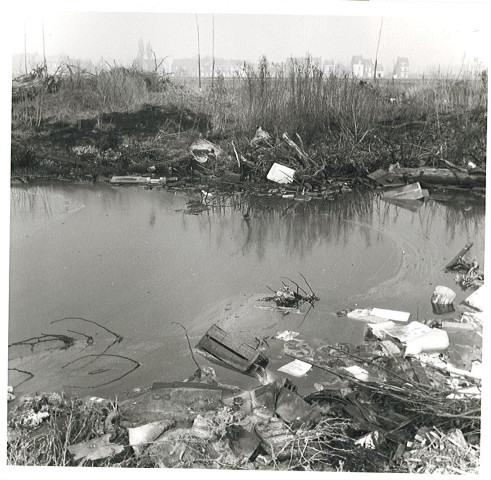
[
  {"x": 389, "y": 403},
  {"x": 392, "y": 402}
]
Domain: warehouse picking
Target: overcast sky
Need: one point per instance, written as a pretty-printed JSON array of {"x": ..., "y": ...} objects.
[{"x": 430, "y": 34}]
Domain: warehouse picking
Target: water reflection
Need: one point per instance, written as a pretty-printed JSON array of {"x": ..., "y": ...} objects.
[
  {"x": 260, "y": 220},
  {"x": 133, "y": 260}
]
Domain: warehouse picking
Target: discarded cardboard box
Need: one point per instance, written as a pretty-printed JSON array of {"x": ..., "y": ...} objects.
[{"x": 230, "y": 350}]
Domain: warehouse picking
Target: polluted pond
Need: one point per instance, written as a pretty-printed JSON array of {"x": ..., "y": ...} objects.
[
  {"x": 405, "y": 399},
  {"x": 265, "y": 382}
]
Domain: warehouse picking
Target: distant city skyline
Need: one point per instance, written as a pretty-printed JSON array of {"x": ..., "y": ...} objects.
[{"x": 447, "y": 36}]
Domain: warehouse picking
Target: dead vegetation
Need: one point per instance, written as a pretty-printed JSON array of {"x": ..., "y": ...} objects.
[{"x": 124, "y": 120}]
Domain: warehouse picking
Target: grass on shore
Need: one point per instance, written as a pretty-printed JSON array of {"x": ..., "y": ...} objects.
[{"x": 345, "y": 124}]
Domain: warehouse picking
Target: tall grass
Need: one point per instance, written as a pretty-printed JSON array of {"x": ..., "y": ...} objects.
[{"x": 296, "y": 97}]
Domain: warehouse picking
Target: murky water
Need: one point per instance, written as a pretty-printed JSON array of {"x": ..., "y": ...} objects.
[{"x": 135, "y": 261}]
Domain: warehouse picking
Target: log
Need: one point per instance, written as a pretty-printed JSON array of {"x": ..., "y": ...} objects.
[{"x": 441, "y": 176}]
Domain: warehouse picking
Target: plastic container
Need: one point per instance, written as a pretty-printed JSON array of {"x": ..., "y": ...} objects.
[
  {"x": 436, "y": 340},
  {"x": 280, "y": 174}
]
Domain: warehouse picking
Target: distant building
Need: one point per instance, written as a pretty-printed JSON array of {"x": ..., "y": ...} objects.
[
  {"x": 361, "y": 67},
  {"x": 328, "y": 66},
  {"x": 188, "y": 67},
  {"x": 401, "y": 69},
  {"x": 380, "y": 73},
  {"x": 357, "y": 66}
]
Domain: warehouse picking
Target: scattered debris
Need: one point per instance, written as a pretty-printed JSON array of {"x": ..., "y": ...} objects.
[
  {"x": 472, "y": 277},
  {"x": 10, "y": 394},
  {"x": 442, "y": 299},
  {"x": 370, "y": 440},
  {"x": 458, "y": 257},
  {"x": 202, "y": 150},
  {"x": 33, "y": 419},
  {"x": 287, "y": 335},
  {"x": 95, "y": 449},
  {"x": 261, "y": 138},
  {"x": 289, "y": 298},
  {"x": 145, "y": 434}
]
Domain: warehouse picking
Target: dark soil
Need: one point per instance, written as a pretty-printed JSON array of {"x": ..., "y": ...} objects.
[{"x": 127, "y": 143}]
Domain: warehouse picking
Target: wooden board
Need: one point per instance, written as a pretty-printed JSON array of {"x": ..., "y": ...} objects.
[
  {"x": 441, "y": 176},
  {"x": 228, "y": 349}
]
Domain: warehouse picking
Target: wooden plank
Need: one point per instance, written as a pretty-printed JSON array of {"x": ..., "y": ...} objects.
[
  {"x": 441, "y": 176},
  {"x": 228, "y": 349}
]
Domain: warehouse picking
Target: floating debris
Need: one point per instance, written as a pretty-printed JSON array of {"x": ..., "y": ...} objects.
[
  {"x": 442, "y": 299},
  {"x": 376, "y": 315},
  {"x": 408, "y": 192}
]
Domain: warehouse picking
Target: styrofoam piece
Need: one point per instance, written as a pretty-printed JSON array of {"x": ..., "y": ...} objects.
[
  {"x": 418, "y": 337},
  {"x": 378, "y": 315},
  {"x": 391, "y": 314},
  {"x": 403, "y": 333},
  {"x": 280, "y": 173},
  {"x": 436, "y": 340}
]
